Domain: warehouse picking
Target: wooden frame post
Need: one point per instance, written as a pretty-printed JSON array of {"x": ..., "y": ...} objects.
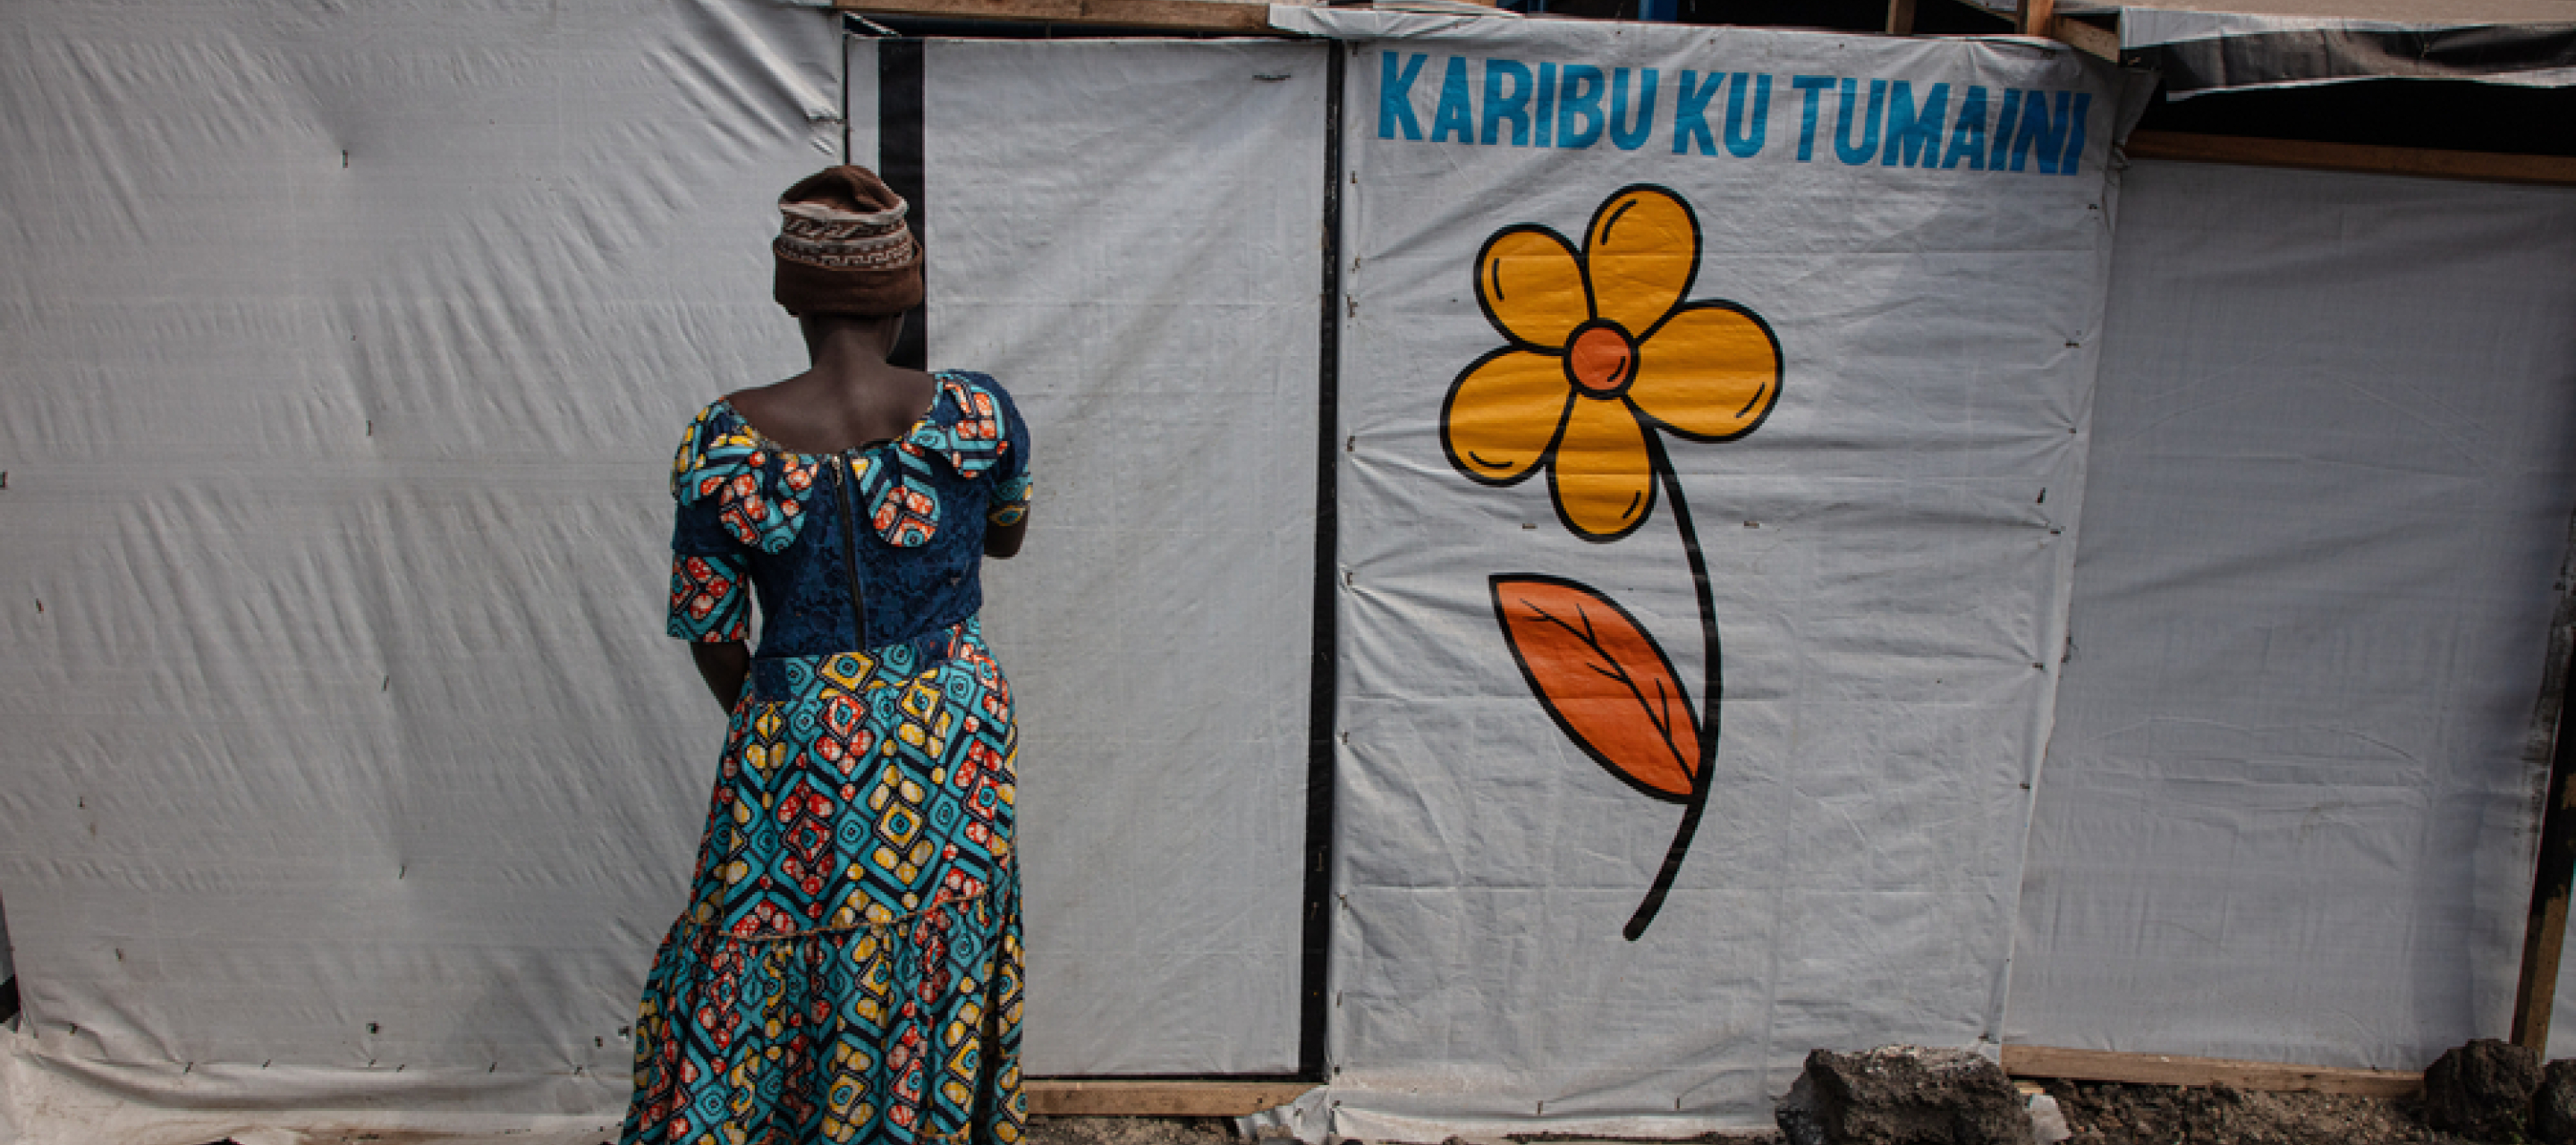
[
  {"x": 2036, "y": 17},
  {"x": 2545, "y": 934}
]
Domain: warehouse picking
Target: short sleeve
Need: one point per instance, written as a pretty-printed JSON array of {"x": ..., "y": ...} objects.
[
  {"x": 698, "y": 529},
  {"x": 731, "y": 495},
  {"x": 1009, "y": 504},
  {"x": 710, "y": 597},
  {"x": 735, "y": 492}
]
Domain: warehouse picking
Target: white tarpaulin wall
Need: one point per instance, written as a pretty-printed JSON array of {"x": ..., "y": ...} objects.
[
  {"x": 1925, "y": 229},
  {"x": 349, "y": 769},
  {"x": 2289, "y": 811},
  {"x": 1127, "y": 234}
]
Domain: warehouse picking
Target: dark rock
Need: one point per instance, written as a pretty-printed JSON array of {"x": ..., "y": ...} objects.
[
  {"x": 2482, "y": 1090},
  {"x": 2553, "y": 1107},
  {"x": 1902, "y": 1095}
]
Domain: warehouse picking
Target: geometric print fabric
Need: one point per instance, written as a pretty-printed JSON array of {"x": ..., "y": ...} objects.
[
  {"x": 900, "y": 502},
  {"x": 866, "y": 786},
  {"x": 848, "y": 967},
  {"x": 900, "y": 1033}
]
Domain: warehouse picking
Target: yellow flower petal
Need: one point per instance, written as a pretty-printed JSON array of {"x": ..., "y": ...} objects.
[
  {"x": 1503, "y": 413},
  {"x": 1711, "y": 372},
  {"x": 1531, "y": 285},
  {"x": 1641, "y": 254},
  {"x": 1603, "y": 480}
]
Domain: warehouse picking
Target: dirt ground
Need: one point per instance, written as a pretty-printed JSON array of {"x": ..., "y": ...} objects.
[
  {"x": 2105, "y": 1114},
  {"x": 2099, "y": 1113},
  {"x": 1130, "y": 1131}
]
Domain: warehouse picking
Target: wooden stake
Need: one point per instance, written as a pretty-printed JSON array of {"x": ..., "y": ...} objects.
[
  {"x": 2036, "y": 17},
  {"x": 2086, "y": 38},
  {"x": 2548, "y": 170},
  {"x": 1227, "y": 16},
  {"x": 2168, "y": 1069},
  {"x": 1159, "y": 1098},
  {"x": 1900, "y": 17},
  {"x": 2546, "y": 932}
]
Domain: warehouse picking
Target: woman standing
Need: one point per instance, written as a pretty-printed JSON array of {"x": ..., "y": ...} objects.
[{"x": 848, "y": 965}]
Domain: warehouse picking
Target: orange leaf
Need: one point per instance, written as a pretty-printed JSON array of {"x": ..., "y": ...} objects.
[{"x": 1604, "y": 679}]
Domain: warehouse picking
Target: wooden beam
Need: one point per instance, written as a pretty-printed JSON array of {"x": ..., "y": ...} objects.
[
  {"x": 2545, "y": 931},
  {"x": 1226, "y": 16},
  {"x": 1900, "y": 17},
  {"x": 2165, "y": 1069},
  {"x": 2487, "y": 166},
  {"x": 2035, "y": 17},
  {"x": 2090, "y": 39},
  {"x": 1159, "y": 1098}
]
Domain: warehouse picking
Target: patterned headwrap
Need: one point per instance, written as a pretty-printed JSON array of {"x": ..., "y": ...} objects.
[{"x": 843, "y": 247}]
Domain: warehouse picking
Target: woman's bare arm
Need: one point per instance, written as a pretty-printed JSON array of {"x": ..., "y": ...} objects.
[
  {"x": 1002, "y": 542},
  {"x": 724, "y": 667}
]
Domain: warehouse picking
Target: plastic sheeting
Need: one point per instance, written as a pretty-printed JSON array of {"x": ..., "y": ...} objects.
[
  {"x": 352, "y": 781},
  {"x": 350, "y": 770},
  {"x": 348, "y": 765},
  {"x": 1127, "y": 233},
  {"x": 2289, "y": 810},
  {"x": 1889, "y": 554}
]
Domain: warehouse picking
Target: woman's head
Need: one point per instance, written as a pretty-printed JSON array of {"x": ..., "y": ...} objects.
[{"x": 843, "y": 248}]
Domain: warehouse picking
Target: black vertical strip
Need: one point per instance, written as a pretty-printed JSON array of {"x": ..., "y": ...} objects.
[
  {"x": 1321, "y": 681},
  {"x": 899, "y": 163},
  {"x": 849, "y": 43}
]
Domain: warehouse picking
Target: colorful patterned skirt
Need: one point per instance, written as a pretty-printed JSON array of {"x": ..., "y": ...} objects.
[{"x": 849, "y": 966}]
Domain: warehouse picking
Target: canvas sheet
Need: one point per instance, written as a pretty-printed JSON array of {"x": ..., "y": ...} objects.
[
  {"x": 1817, "y": 316},
  {"x": 349, "y": 768},
  {"x": 1127, "y": 233},
  {"x": 345, "y": 357},
  {"x": 2290, "y": 808}
]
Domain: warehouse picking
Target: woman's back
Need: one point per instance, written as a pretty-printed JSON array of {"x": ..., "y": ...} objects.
[{"x": 847, "y": 965}]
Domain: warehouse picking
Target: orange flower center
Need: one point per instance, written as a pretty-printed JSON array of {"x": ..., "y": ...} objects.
[{"x": 1601, "y": 360}]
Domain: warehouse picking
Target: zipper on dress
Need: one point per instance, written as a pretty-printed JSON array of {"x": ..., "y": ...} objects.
[{"x": 849, "y": 481}]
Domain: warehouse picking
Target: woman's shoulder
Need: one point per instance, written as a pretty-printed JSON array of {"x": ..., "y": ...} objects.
[
  {"x": 973, "y": 424},
  {"x": 967, "y": 395},
  {"x": 951, "y": 381},
  {"x": 756, "y": 488},
  {"x": 715, "y": 435}
]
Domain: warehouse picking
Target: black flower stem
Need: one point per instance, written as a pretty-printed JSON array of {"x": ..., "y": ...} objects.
[{"x": 1713, "y": 686}]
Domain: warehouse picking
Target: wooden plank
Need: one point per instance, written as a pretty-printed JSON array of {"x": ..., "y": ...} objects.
[
  {"x": 1172, "y": 15},
  {"x": 2090, "y": 39},
  {"x": 2545, "y": 931},
  {"x": 1158, "y": 1098},
  {"x": 2166, "y": 1069},
  {"x": 1900, "y": 17},
  {"x": 2036, "y": 17},
  {"x": 2486, "y": 166}
]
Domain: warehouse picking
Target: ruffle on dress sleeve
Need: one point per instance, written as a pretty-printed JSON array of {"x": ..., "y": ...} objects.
[
  {"x": 966, "y": 429},
  {"x": 756, "y": 490}
]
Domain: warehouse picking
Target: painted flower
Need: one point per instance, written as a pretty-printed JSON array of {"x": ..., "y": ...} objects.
[{"x": 1602, "y": 347}]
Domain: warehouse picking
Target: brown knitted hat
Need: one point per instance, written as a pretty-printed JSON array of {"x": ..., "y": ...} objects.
[{"x": 843, "y": 247}]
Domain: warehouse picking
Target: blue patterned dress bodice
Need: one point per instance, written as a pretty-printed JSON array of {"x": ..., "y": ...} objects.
[{"x": 870, "y": 548}]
